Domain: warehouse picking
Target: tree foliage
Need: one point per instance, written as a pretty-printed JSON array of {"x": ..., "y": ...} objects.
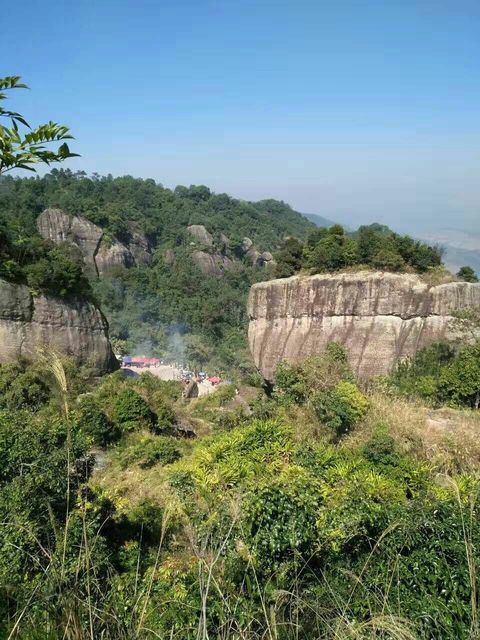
[
  {"x": 467, "y": 274},
  {"x": 442, "y": 374},
  {"x": 20, "y": 150},
  {"x": 374, "y": 246}
]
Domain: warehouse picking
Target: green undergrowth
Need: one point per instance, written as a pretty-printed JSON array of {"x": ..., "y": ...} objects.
[{"x": 317, "y": 512}]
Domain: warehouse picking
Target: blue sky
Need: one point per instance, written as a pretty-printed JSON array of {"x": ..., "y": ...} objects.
[{"x": 355, "y": 110}]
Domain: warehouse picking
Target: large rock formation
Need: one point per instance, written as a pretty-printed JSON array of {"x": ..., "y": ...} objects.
[
  {"x": 110, "y": 255},
  {"x": 380, "y": 317},
  {"x": 75, "y": 327},
  {"x": 200, "y": 234},
  {"x": 212, "y": 264},
  {"x": 58, "y": 226},
  {"x": 99, "y": 253}
]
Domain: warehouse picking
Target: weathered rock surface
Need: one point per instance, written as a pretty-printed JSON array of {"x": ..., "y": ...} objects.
[
  {"x": 75, "y": 327},
  {"x": 246, "y": 244},
  {"x": 113, "y": 255},
  {"x": 211, "y": 264},
  {"x": 169, "y": 257},
  {"x": 200, "y": 234},
  {"x": 380, "y": 317},
  {"x": 58, "y": 226},
  {"x": 99, "y": 255},
  {"x": 139, "y": 245}
]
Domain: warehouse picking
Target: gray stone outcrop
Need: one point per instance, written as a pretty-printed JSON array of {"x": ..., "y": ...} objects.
[{"x": 75, "y": 327}]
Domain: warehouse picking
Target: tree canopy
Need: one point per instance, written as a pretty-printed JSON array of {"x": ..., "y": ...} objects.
[{"x": 374, "y": 246}]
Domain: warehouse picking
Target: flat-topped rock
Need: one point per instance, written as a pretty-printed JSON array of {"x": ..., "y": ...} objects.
[{"x": 380, "y": 317}]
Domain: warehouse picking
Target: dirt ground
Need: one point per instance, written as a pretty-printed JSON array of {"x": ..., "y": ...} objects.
[{"x": 168, "y": 372}]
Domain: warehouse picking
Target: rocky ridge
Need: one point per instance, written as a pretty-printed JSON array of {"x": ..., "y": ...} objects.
[
  {"x": 380, "y": 317},
  {"x": 210, "y": 256}
]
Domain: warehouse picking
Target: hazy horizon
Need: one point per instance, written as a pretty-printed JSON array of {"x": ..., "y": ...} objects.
[{"x": 355, "y": 111}]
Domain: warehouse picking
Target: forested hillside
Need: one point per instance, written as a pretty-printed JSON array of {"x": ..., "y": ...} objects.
[
  {"x": 163, "y": 213},
  {"x": 152, "y": 307}
]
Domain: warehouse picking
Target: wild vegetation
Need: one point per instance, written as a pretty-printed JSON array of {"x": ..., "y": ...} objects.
[
  {"x": 374, "y": 246},
  {"x": 308, "y": 512}
]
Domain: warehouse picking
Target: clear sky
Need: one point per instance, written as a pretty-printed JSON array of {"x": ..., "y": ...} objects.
[{"x": 358, "y": 110}]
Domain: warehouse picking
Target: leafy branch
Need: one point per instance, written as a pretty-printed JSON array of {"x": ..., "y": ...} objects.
[{"x": 19, "y": 150}]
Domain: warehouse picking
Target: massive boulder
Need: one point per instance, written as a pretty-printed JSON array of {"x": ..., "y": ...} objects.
[
  {"x": 76, "y": 328},
  {"x": 58, "y": 226},
  {"x": 110, "y": 255},
  {"x": 211, "y": 264},
  {"x": 200, "y": 234},
  {"x": 380, "y": 317},
  {"x": 99, "y": 253}
]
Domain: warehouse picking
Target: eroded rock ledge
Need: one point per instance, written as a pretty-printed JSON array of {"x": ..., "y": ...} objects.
[
  {"x": 75, "y": 327},
  {"x": 380, "y": 317}
]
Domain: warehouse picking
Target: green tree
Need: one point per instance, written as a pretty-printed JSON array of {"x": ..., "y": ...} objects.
[
  {"x": 289, "y": 258},
  {"x": 388, "y": 259},
  {"x": 130, "y": 407},
  {"x": 460, "y": 380},
  {"x": 334, "y": 251},
  {"x": 467, "y": 274},
  {"x": 20, "y": 150}
]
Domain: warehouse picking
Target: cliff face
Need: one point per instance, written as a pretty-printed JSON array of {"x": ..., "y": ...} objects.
[
  {"x": 76, "y": 327},
  {"x": 380, "y": 317},
  {"x": 99, "y": 255}
]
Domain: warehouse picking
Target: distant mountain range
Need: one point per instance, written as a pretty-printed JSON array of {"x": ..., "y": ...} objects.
[{"x": 320, "y": 221}]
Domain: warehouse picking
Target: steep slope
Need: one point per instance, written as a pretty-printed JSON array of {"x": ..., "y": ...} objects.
[{"x": 380, "y": 317}]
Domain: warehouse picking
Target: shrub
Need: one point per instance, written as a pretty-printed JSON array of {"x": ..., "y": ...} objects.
[
  {"x": 165, "y": 416},
  {"x": 381, "y": 450},
  {"x": 150, "y": 451},
  {"x": 460, "y": 379},
  {"x": 129, "y": 406},
  {"x": 182, "y": 482},
  {"x": 419, "y": 376},
  {"x": 227, "y": 420},
  {"x": 341, "y": 408},
  {"x": 297, "y": 383},
  {"x": 95, "y": 423},
  {"x": 281, "y": 514},
  {"x": 467, "y": 274},
  {"x": 22, "y": 388}
]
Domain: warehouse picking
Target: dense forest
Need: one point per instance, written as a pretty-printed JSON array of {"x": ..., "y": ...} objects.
[
  {"x": 157, "y": 308},
  {"x": 168, "y": 306}
]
